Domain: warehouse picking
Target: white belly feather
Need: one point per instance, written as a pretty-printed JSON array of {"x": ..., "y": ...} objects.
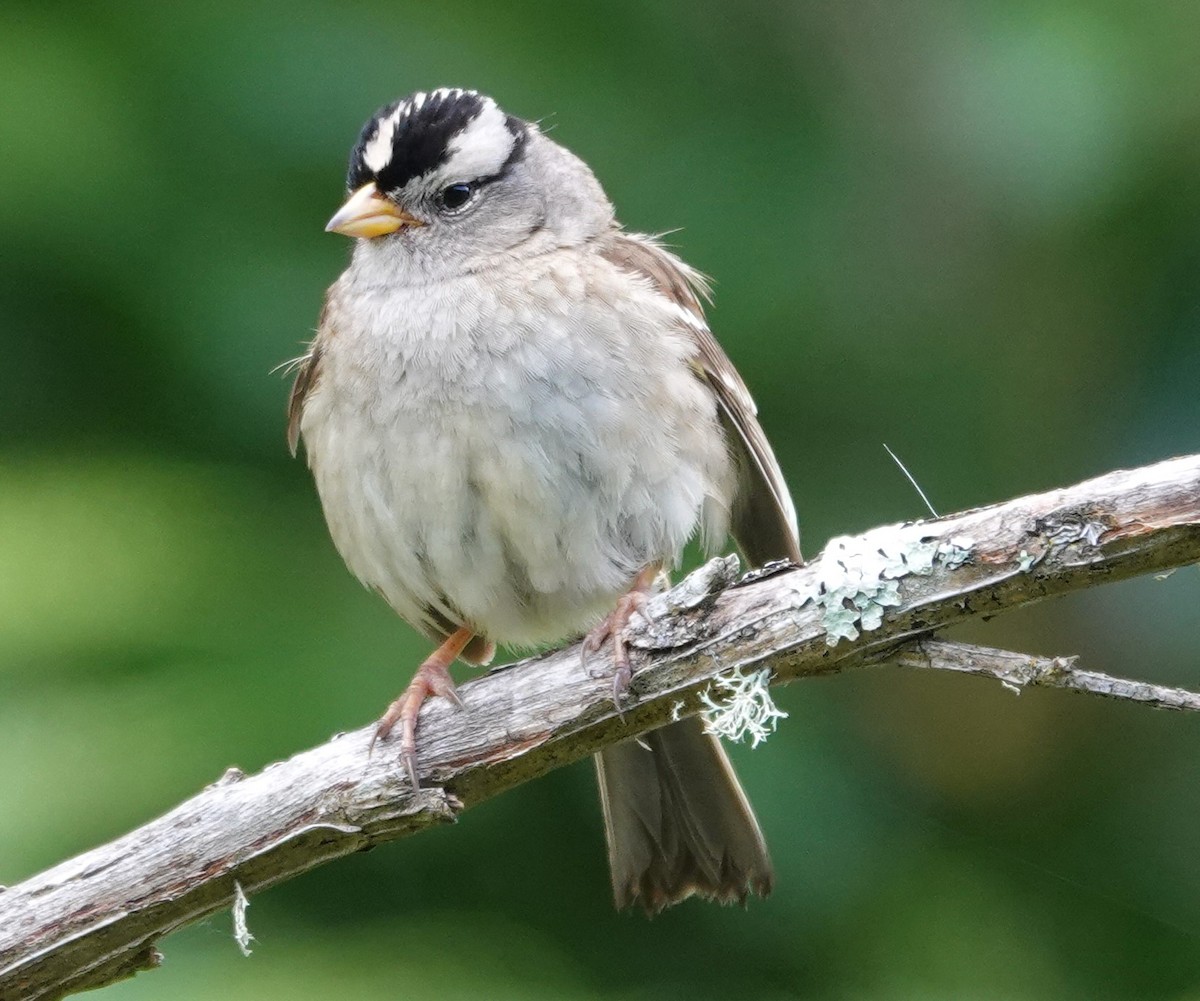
[{"x": 512, "y": 475}]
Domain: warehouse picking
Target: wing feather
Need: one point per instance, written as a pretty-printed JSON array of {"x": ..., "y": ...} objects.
[
  {"x": 308, "y": 371},
  {"x": 764, "y": 517}
]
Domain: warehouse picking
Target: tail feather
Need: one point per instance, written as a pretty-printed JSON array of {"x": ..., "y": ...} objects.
[{"x": 678, "y": 823}]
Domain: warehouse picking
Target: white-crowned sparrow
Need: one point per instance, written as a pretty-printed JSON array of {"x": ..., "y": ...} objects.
[{"x": 515, "y": 415}]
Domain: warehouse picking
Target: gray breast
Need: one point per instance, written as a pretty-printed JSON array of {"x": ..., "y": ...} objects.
[{"x": 508, "y": 454}]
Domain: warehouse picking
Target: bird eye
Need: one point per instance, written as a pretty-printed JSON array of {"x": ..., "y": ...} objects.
[{"x": 456, "y": 196}]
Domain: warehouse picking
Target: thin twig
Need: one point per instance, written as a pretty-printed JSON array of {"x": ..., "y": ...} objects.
[{"x": 1017, "y": 671}]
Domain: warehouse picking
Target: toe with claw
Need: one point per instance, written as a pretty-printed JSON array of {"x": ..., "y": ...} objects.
[
  {"x": 614, "y": 626},
  {"x": 432, "y": 678}
]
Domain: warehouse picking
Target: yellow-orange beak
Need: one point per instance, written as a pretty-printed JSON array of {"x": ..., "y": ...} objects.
[{"x": 367, "y": 214}]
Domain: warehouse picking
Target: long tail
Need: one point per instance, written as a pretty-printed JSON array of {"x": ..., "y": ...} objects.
[{"x": 677, "y": 821}]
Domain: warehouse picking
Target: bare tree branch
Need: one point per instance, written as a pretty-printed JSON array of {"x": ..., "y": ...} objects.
[
  {"x": 866, "y": 600},
  {"x": 1020, "y": 670}
]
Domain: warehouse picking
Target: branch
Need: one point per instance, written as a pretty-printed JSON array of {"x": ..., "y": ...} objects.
[
  {"x": 866, "y": 600},
  {"x": 1018, "y": 670}
]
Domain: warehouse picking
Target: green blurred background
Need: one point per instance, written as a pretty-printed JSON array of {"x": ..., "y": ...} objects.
[{"x": 969, "y": 231}]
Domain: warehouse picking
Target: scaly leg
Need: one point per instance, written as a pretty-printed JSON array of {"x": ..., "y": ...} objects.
[
  {"x": 432, "y": 678},
  {"x": 614, "y": 625}
]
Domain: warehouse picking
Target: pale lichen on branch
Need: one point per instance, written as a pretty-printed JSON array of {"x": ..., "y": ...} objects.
[
  {"x": 860, "y": 576},
  {"x": 739, "y": 705}
]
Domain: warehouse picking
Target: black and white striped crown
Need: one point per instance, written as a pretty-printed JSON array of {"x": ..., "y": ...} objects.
[{"x": 461, "y": 130}]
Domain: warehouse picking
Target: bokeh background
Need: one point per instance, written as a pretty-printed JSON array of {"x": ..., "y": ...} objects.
[{"x": 969, "y": 231}]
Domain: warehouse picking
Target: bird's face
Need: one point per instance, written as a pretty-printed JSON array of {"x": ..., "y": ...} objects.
[{"x": 445, "y": 182}]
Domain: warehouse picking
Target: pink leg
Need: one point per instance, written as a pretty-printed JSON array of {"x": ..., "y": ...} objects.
[
  {"x": 432, "y": 678},
  {"x": 614, "y": 625}
]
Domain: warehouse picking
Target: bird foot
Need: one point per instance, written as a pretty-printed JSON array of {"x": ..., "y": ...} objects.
[
  {"x": 432, "y": 678},
  {"x": 614, "y": 626}
]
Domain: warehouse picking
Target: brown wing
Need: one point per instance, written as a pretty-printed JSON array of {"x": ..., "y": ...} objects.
[
  {"x": 763, "y": 517},
  {"x": 308, "y": 370}
]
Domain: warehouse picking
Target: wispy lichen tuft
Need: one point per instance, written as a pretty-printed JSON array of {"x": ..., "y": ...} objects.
[
  {"x": 737, "y": 706},
  {"x": 241, "y": 930}
]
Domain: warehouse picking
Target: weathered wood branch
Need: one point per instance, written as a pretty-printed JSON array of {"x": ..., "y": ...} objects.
[
  {"x": 866, "y": 600},
  {"x": 1018, "y": 670}
]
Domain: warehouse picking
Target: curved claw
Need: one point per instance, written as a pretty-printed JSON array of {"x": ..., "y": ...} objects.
[
  {"x": 592, "y": 643},
  {"x": 622, "y": 676},
  {"x": 432, "y": 678},
  {"x": 614, "y": 626}
]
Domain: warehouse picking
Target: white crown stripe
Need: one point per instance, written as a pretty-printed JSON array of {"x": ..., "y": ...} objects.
[
  {"x": 480, "y": 148},
  {"x": 378, "y": 151},
  {"x": 483, "y": 146}
]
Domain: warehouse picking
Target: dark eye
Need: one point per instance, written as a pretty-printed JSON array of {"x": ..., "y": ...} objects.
[{"x": 456, "y": 196}]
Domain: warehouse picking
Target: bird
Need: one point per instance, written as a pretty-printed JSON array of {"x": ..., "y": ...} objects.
[{"x": 516, "y": 417}]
